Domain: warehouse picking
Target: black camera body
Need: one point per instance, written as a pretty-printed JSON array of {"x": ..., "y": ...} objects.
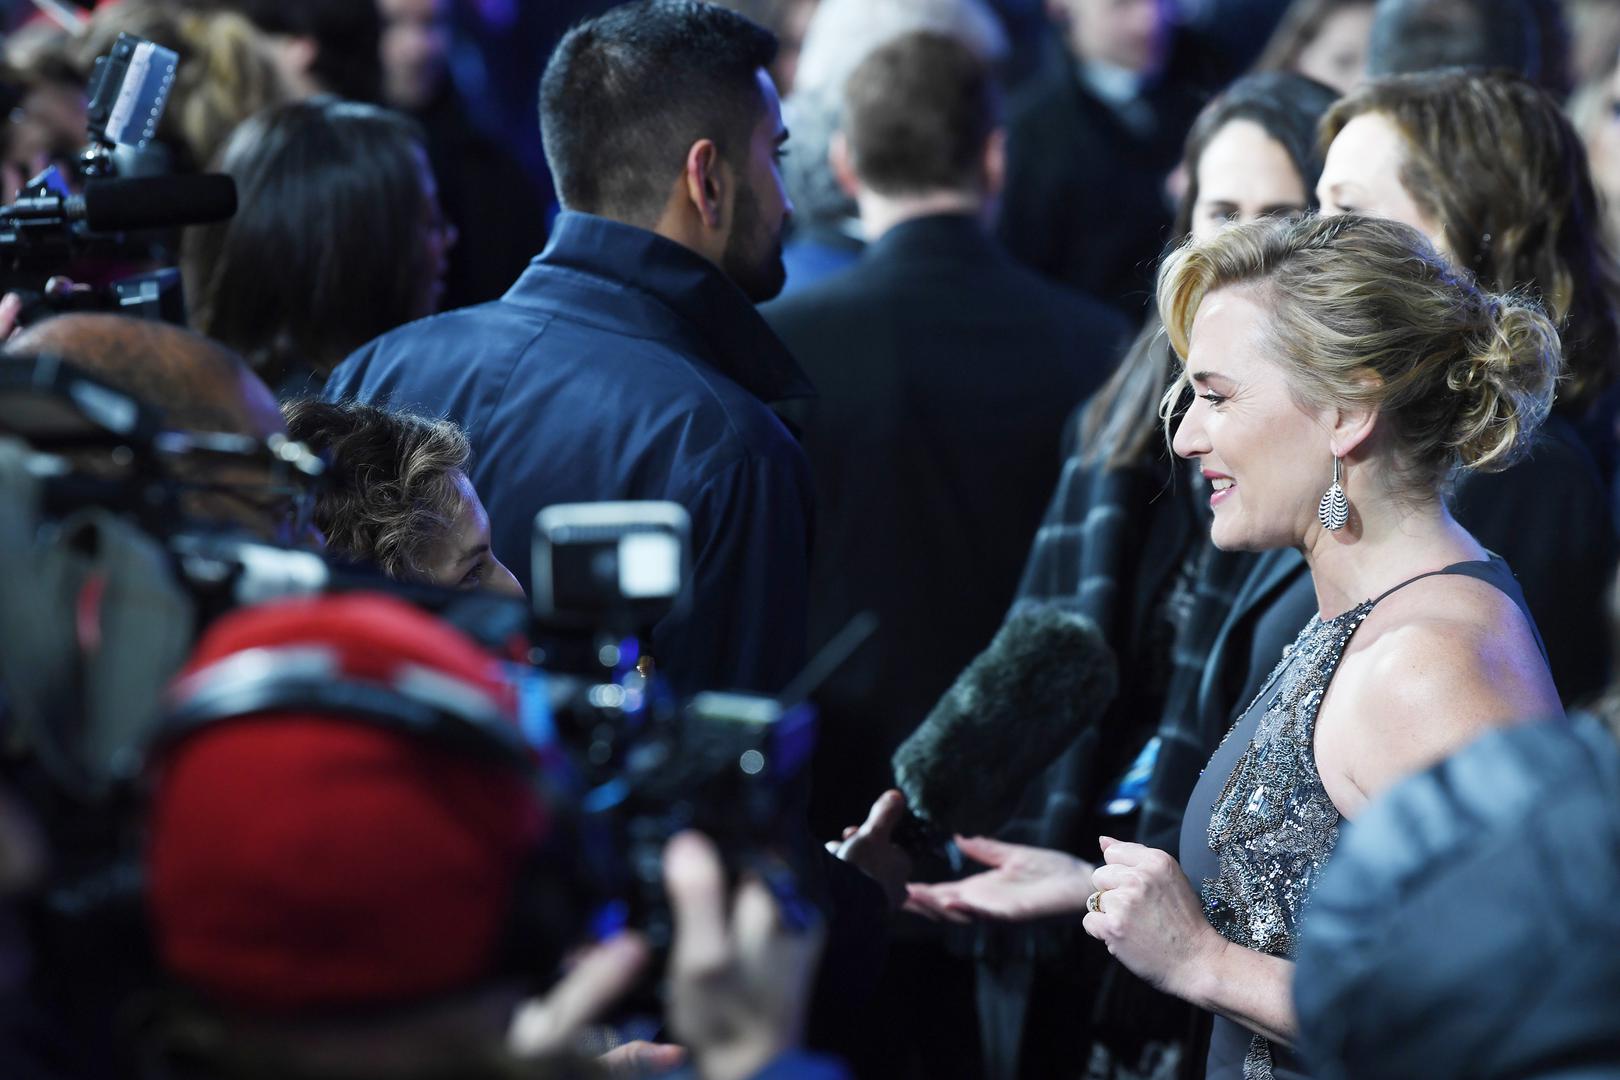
[
  {"x": 97, "y": 240},
  {"x": 626, "y": 762}
]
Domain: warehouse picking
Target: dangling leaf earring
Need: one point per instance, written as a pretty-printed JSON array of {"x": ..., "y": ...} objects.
[{"x": 1334, "y": 509}]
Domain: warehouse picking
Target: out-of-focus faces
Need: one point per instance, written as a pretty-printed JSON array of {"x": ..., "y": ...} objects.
[
  {"x": 46, "y": 126},
  {"x": 1244, "y": 174},
  {"x": 1266, "y": 457},
  {"x": 415, "y": 49},
  {"x": 795, "y": 23},
  {"x": 463, "y": 559},
  {"x": 761, "y": 210},
  {"x": 1602, "y": 134},
  {"x": 1362, "y": 175},
  {"x": 437, "y": 237},
  {"x": 1127, "y": 34},
  {"x": 1337, "y": 55}
]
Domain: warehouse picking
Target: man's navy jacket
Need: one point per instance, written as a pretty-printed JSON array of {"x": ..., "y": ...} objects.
[{"x": 624, "y": 366}]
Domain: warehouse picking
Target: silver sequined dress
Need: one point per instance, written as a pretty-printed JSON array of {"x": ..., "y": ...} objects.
[{"x": 1259, "y": 825}]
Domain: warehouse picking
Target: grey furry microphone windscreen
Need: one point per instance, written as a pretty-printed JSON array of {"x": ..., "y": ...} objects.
[{"x": 1044, "y": 678}]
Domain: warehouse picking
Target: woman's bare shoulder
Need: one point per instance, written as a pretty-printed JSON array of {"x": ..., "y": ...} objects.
[{"x": 1433, "y": 667}]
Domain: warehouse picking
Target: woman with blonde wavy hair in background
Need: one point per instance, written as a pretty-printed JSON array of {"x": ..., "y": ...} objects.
[
  {"x": 226, "y": 72},
  {"x": 1343, "y": 374},
  {"x": 1488, "y": 167}
]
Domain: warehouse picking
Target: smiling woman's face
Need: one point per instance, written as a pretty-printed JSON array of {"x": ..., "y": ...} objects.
[
  {"x": 1265, "y": 455},
  {"x": 1362, "y": 175}
]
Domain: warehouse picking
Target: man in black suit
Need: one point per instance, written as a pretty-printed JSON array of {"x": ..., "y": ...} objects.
[
  {"x": 1090, "y": 141},
  {"x": 945, "y": 372}
]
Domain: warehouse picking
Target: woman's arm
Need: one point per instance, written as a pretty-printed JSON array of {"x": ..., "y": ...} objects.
[{"x": 1250, "y": 988}]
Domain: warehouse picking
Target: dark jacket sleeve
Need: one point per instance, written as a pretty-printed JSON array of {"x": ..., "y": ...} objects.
[{"x": 750, "y": 537}]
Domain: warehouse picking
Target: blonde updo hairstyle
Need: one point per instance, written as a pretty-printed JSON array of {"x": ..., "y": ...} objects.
[{"x": 1369, "y": 316}]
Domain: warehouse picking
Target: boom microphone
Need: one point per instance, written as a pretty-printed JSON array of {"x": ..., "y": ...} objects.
[
  {"x": 1046, "y": 676},
  {"x": 144, "y": 202},
  {"x": 156, "y": 202}
]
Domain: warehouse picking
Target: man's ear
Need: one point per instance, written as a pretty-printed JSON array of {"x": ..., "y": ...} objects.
[
  {"x": 301, "y": 52},
  {"x": 707, "y": 181},
  {"x": 994, "y": 163},
  {"x": 842, "y": 162}
]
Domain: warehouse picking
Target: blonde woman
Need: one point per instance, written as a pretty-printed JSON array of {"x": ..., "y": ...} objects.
[
  {"x": 1487, "y": 166},
  {"x": 1344, "y": 373}
]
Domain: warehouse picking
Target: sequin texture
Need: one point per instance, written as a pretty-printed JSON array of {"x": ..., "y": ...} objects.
[{"x": 1273, "y": 826}]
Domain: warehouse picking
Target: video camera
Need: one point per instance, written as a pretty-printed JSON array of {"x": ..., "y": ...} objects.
[
  {"x": 631, "y": 761},
  {"x": 95, "y": 222}
]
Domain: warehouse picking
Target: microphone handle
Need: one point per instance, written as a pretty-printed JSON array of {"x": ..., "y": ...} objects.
[{"x": 920, "y": 838}]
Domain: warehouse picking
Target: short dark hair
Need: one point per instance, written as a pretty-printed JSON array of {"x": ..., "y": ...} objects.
[
  {"x": 917, "y": 114},
  {"x": 1410, "y": 36},
  {"x": 324, "y": 253},
  {"x": 626, "y": 94}
]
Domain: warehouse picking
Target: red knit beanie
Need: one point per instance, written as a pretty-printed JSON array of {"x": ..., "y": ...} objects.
[{"x": 298, "y": 860}]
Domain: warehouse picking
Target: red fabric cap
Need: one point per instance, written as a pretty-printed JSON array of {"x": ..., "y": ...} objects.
[{"x": 298, "y": 861}]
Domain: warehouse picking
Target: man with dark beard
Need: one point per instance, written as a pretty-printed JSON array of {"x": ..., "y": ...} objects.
[{"x": 627, "y": 362}]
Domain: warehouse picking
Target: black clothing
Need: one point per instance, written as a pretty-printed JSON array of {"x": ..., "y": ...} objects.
[
  {"x": 1110, "y": 547},
  {"x": 1549, "y": 516},
  {"x": 944, "y": 373},
  {"x": 498, "y": 209},
  {"x": 1084, "y": 201}
]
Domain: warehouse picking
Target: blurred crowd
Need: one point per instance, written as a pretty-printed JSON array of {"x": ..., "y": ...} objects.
[{"x": 1275, "y": 344}]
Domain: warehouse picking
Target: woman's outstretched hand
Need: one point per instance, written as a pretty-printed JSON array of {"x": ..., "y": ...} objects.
[{"x": 1022, "y": 883}]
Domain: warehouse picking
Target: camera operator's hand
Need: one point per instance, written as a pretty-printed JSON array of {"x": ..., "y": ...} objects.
[
  {"x": 22, "y": 848},
  {"x": 552, "y": 1025},
  {"x": 871, "y": 847},
  {"x": 739, "y": 981},
  {"x": 11, "y": 306}
]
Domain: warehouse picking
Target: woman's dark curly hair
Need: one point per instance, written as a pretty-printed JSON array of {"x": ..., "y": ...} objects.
[{"x": 391, "y": 492}]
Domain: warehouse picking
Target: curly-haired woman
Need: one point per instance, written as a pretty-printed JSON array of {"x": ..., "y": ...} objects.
[{"x": 398, "y": 495}]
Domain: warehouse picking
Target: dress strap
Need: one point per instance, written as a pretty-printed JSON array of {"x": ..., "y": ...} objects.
[{"x": 1461, "y": 568}]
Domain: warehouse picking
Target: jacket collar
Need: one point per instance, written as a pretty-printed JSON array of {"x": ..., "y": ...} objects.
[
  {"x": 660, "y": 282},
  {"x": 934, "y": 236}
]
